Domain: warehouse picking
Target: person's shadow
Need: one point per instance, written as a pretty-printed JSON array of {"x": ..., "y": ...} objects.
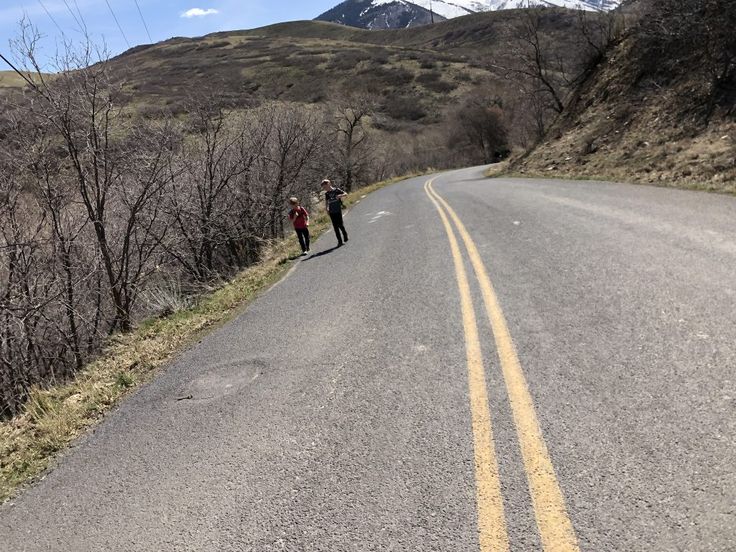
[{"x": 321, "y": 253}]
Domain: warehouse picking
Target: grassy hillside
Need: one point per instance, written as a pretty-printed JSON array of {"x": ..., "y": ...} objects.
[
  {"x": 9, "y": 79},
  {"x": 414, "y": 77},
  {"x": 413, "y": 73}
]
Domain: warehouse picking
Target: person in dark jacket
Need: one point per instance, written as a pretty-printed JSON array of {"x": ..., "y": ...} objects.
[{"x": 333, "y": 204}]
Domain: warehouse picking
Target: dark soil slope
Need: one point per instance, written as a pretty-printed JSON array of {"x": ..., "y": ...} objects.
[{"x": 660, "y": 109}]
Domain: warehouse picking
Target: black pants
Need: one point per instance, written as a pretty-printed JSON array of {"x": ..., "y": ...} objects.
[
  {"x": 303, "y": 234},
  {"x": 338, "y": 225}
]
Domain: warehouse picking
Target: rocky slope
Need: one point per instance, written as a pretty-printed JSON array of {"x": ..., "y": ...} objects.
[{"x": 660, "y": 109}]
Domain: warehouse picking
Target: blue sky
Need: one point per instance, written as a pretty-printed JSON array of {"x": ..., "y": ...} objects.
[{"x": 164, "y": 18}]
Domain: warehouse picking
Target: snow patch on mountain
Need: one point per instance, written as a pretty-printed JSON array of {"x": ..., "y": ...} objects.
[
  {"x": 457, "y": 8},
  {"x": 396, "y": 14}
]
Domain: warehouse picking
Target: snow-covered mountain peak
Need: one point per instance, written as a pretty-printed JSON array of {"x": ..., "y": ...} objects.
[
  {"x": 455, "y": 8},
  {"x": 391, "y": 14}
]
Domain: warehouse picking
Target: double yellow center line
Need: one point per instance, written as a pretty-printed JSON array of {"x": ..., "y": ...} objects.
[{"x": 555, "y": 528}]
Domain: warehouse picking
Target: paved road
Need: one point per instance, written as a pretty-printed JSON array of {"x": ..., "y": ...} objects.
[{"x": 366, "y": 403}]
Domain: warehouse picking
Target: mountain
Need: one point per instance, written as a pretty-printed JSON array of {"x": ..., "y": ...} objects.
[
  {"x": 379, "y": 14},
  {"x": 456, "y": 8},
  {"x": 395, "y": 14}
]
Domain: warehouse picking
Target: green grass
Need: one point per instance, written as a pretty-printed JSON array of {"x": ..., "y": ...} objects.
[{"x": 55, "y": 417}]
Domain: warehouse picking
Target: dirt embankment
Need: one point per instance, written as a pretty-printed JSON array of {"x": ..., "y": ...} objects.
[{"x": 652, "y": 120}]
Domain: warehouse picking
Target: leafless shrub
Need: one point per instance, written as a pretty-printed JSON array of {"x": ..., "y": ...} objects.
[
  {"x": 477, "y": 127},
  {"x": 675, "y": 38},
  {"x": 100, "y": 208},
  {"x": 352, "y": 154},
  {"x": 543, "y": 73},
  {"x": 404, "y": 107}
]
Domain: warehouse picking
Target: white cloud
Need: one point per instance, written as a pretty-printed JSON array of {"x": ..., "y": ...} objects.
[{"x": 199, "y": 12}]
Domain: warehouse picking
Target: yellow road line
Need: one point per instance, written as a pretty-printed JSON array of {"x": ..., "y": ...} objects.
[
  {"x": 491, "y": 520},
  {"x": 555, "y": 528}
]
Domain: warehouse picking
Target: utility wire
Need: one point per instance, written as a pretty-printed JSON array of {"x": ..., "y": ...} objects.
[
  {"x": 81, "y": 17},
  {"x": 69, "y": 9},
  {"x": 115, "y": 17},
  {"x": 51, "y": 17},
  {"x": 144, "y": 21}
]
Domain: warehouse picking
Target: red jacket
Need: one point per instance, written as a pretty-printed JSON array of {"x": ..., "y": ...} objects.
[{"x": 298, "y": 217}]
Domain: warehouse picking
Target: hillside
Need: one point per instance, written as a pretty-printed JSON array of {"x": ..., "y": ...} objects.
[
  {"x": 661, "y": 109},
  {"x": 10, "y": 79},
  {"x": 414, "y": 74}
]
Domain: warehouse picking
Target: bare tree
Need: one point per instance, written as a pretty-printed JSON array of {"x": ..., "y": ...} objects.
[
  {"x": 545, "y": 75},
  {"x": 66, "y": 224},
  {"x": 538, "y": 65},
  {"x": 352, "y": 151},
  {"x": 296, "y": 148},
  {"x": 212, "y": 189},
  {"x": 693, "y": 36},
  {"x": 112, "y": 161},
  {"x": 478, "y": 126}
]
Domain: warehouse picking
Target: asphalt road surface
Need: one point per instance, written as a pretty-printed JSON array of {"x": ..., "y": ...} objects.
[{"x": 487, "y": 365}]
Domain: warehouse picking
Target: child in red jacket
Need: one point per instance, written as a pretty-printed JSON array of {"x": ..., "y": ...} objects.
[{"x": 299, "y": 217}]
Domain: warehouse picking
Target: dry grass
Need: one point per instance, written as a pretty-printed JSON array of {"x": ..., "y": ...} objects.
[
  {"x": 497, "y": 169},
  {"x": 9, "y": 79},
  {"x": 55, "y": 417}
]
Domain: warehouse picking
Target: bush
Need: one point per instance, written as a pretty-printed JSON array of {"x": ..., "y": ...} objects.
[
  {"x": 433, "y": 81},
  {"x": 406, "y": 108}
]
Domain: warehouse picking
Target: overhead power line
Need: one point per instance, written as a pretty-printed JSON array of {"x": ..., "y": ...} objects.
[
  {"x": 51, "y": 17},
  {"x": 115, "y": 17},
  {"x": 143, "y": 19},
  {"x": 71, "y": 12},
  {"x": 81, "y": 17}
]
